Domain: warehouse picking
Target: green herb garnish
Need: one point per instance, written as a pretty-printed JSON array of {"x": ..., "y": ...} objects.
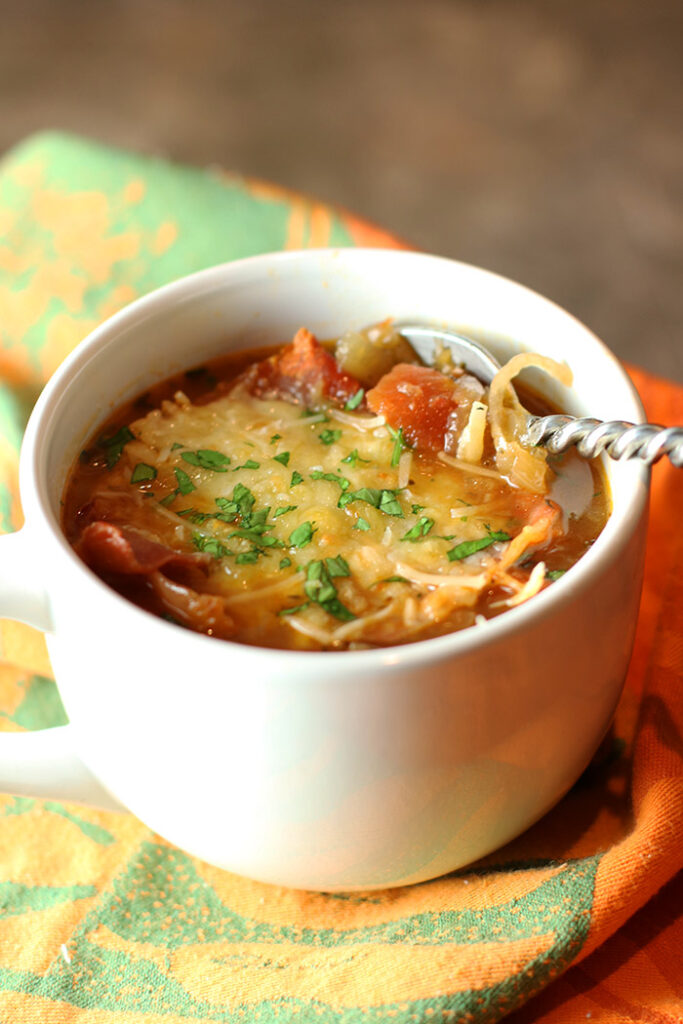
[
  {"x": 554, "y": 574},
  {"x": 353, "y": 457},
  {"x": 205, "y": 458},
  {"x": 285, "y": 562},
  {"x": 384, "y": 500},
  {"x": 283, "y": 510},
  {"x": 241, "y": 504},
  {"x": 257, "y": 537},
  {"x": 389, "y": 504},
  {"x": 185, "y": 485},
  {"x": 296, "y": 478},
  {"x": 400, "y": 444},
  {"x": 361, "y": 524},
  {"x": 470, "y": 547},
  {"x": 295, "y": 609},
  {"x": 247, "y": 557},
  {"x": 334, "y": 478},
  {"x": 283, "y": 458},
  {"x": 211, "y": 545},
  {"x": 355, "y": 400},
  {"x": 275, "y": 437},
  {"x": 143, "y": 472},
  {"x": 302, "y": 535},
  {"x": 249, "y": 464},
  {"x": 115, "y": 444},
  {"x": 329, "y": 436},
  {"x": 337, "y": 566},
  {"x": 320, "y": 588},
  {"x": 419, "y": 530}
]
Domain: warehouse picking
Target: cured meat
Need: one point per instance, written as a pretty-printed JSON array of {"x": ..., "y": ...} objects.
[
  {"x": 114, "y": 549},
  {"x": 204, "y": 612},
  {"x": 303, "y": 372}
]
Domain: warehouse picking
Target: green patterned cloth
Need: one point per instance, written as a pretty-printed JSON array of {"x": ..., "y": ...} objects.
[{"x": 102, "y": 921}]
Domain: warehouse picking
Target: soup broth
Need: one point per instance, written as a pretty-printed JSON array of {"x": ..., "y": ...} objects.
[{"x": 302, "y": 498}]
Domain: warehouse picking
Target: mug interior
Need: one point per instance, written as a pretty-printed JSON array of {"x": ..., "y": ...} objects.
[{"x": 263, "y": 300}]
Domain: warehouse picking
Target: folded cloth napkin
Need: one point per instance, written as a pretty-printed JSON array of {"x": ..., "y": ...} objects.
[{"x": 101, "y": 920}]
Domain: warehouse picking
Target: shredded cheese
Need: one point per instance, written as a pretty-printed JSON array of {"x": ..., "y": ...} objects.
[
  {"x": 467, "y": 467},
  {"x": 463, "y": 580},
  {"x": 531, "y": 587},
  {"x": 404, "y": 464},
  {"x": 471, "y": 442}
]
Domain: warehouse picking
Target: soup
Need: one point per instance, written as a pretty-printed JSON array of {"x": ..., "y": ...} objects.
[{"x": 324, "y": 497}]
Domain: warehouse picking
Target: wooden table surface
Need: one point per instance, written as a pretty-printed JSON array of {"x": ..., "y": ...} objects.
[{"x": 539, "y": 140}]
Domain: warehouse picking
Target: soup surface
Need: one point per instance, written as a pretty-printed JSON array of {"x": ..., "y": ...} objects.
[{"x": 326, "y": 498}]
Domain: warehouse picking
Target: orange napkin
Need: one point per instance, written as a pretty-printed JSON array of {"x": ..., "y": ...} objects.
[{"x": 102, "y": 921}]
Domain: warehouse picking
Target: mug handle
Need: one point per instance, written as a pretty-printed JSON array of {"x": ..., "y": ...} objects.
[{"x": 41, "y": 763}]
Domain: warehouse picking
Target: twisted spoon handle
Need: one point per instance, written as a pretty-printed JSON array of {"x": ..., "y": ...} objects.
[{"x": 620, "y": 440}]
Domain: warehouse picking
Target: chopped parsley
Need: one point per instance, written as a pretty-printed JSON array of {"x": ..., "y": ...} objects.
[
  {"x": 392, "y": 579},
  {"x": 337, "y": 566},
  {"x": 185, "y": 485},
  {"x": 334, "y": 478},
  {"x": 241, "y": 504},
  {"x": 193, "y": 515},
  {"x": 257, "y": 536},
  {"x": 143, "y": 472},
  {"x": 388, "y": 503},
  {"x": 211, "y": 545},
  {"x": 295, "y": 609},
  {"x": 249, "y": 464},
  {"x": 400, "y": 444},
  {"x": 328, "y": 436},
  {"x": 115, "y": 444},
  {"x": 353, "y": 457},
  {"x": 361, "y": 524},
  {"x": 419, "y": 530},
  {"x": 206, "y": 458},
  {"x": 384, "y": 500},
  {"x": 416, "y": 509},
  {"x": 285, "y": 562},
  {"x": 176, "y": 445},
  {"x": 296, "y": 479},
  {"x": 275, "y": 437},
  {"x": 355, "y": 400},
  {"x": 301, "y": 535},
  {"x": 470, "y": 547},
  {"x": 554, "y": 574},
  {"x": 283, "y": 458},
  {"x": 247, "y": 557},
  {"x": 320, "y": 588},
  {"x": 283, "y": 510}
]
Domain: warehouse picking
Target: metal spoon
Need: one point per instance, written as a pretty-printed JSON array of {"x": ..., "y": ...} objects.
[{"x": 645, "y": 441}]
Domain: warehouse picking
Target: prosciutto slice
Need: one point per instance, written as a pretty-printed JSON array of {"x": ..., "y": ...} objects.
[
  {"x": 304, "y": 372},
  {"x": 115, "y": 549}
]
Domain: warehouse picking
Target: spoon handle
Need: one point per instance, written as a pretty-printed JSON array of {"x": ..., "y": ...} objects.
[{"x": 645, "y": 441}]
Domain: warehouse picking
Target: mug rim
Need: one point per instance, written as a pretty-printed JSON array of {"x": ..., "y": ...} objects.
[{"x": 620, "y": 524}]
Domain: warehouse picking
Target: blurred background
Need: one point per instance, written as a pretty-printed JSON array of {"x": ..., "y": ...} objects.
[{"x": 539, "y": 139}]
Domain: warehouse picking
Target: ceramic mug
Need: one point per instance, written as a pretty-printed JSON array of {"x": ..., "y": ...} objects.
[{"x": 320, "y": 770}]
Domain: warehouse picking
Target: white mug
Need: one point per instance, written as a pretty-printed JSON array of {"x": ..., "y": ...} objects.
[{"x": 333, "y": 771}]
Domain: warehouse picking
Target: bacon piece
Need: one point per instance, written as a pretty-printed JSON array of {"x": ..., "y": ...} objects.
[
  {"x": 304, "y": 373},
  {"x": 113, "y": 549},
  {"x": 417, "y": 399},
  {"x": 205, "y": 613}
]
